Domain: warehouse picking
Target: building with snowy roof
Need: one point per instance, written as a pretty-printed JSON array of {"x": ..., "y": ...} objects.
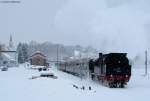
[
  {"x": 38, "y": 58},
  {"x": 8, "y": 55}
]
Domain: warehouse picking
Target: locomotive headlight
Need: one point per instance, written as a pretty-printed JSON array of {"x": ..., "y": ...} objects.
[
  {"x": 111, "y": 75},
  {"x": 126, "y": 76}
]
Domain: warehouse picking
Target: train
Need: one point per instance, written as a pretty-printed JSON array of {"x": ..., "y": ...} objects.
[{"x": 112, "y": 69}]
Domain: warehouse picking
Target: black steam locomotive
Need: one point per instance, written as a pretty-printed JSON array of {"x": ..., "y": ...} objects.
[{"x": 111, "y": 69}]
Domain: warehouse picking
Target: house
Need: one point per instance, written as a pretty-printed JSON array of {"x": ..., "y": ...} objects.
[{"x": 39, "y": 59}]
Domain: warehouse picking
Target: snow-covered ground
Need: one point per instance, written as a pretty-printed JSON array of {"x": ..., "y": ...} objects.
[{"x": 15, "y": 85}]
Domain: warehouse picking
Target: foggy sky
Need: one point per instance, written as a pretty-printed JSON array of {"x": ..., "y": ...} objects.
[{"x": 108, "y": 25}]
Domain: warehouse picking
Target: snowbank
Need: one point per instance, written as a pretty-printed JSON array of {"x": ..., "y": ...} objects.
[{"x": 15, "y": 85}]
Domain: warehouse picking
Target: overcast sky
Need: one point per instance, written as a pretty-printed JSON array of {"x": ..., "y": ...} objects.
[{"x": 108, "y": 25}]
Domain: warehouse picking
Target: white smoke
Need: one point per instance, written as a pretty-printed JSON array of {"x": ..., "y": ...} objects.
[{"x": 108, "y": 25}]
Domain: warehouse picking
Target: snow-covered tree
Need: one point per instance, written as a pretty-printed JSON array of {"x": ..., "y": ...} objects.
[
  {"x": 20, "y": 53},
  {"x": 22, "y": 50}
]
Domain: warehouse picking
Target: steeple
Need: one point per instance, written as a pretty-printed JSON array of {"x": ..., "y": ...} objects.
[{"x": 10, "y": 42}]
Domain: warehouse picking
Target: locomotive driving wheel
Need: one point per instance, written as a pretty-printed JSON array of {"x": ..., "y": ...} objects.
[
  {"x": 110, "y": 85},
  {"x": 122, "y": 85},
  {"x": 113, "y": 85}
]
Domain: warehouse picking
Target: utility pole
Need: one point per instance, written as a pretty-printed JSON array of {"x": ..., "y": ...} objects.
[
  {"x": 57, "y": 55},
  {"x": 145, "y": 63}
]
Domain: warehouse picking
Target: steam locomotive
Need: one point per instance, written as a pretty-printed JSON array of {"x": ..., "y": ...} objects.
[{"x": 112, "y": 70}]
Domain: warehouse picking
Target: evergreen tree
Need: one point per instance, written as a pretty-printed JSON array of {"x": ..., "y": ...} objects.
[
  {"x": 20, "y": 53},
  {"x": 22, "y": 50},
  {"x": 0, "y": 47},
  {"x": 25, "y": 52}
]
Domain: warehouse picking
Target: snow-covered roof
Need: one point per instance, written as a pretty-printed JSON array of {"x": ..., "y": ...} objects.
[
  {"x": 6, "y": 56},
  {"x": 37, "y": 52}
]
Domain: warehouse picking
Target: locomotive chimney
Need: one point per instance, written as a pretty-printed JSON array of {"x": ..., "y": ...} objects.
[{"x": 100, "y": 55}]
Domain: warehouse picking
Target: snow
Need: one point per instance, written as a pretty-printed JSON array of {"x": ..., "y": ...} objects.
[{"x": 15, "y": 85}]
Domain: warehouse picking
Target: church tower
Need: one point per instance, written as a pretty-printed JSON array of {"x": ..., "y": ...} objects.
[{"x": 11, "y": 44}]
